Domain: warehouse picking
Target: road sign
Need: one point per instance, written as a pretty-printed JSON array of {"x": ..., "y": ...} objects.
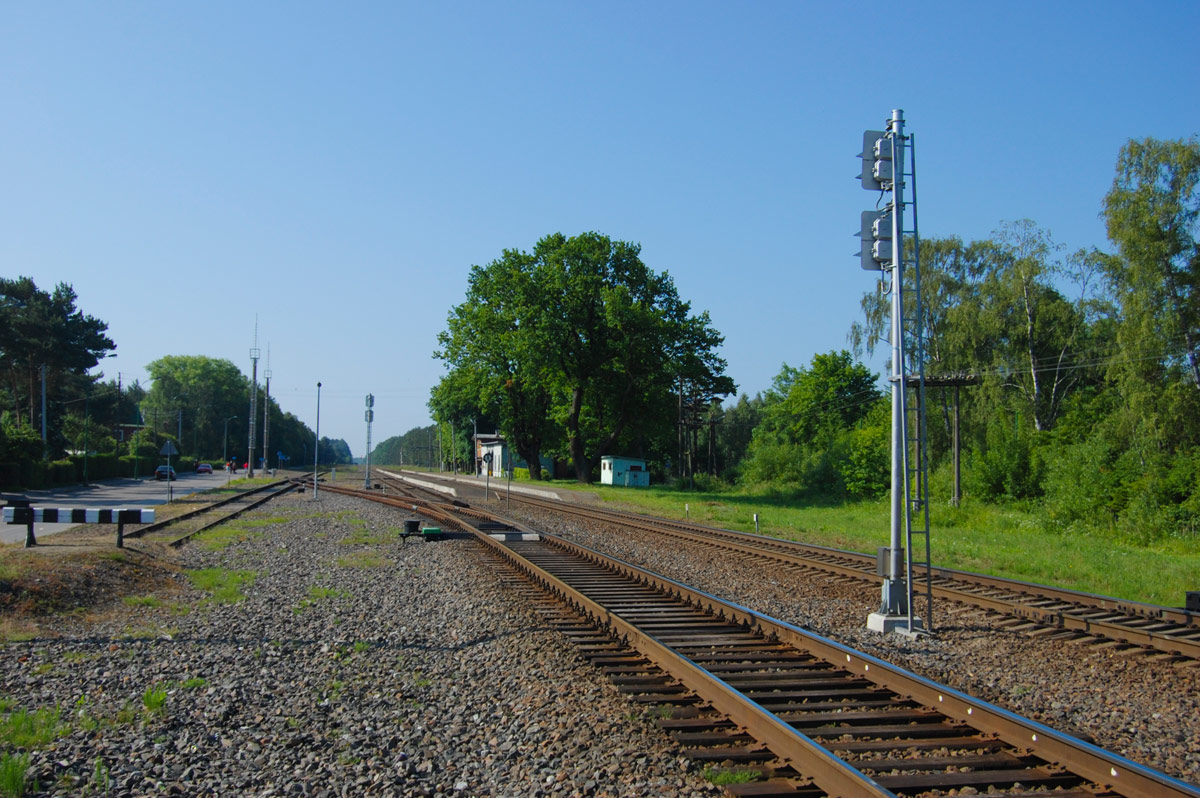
[{"x": 169, "y": 450}]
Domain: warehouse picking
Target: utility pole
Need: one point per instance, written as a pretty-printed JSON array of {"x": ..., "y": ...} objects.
[
  {"x": 254, "y": 353},
  {"x": 267, "y": 414},
  {"x": 45, "y": 440},
  {"x": 317, "y": 443}
]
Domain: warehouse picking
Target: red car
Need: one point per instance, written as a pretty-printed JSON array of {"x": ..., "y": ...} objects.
[{"x": 204, "y": 468}]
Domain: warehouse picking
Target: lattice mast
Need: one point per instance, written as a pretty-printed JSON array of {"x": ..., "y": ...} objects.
[
  {"x": 882, "y": 232},
  {"x": 368, "y": 416}
]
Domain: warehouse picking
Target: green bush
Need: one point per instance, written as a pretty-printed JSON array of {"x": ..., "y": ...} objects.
[
  {"x": 62, "y": 472},
  {"x": 868, "y": 467},
  {"x": 815, "y": 469},
  {"x": 1008, "y": 467}
]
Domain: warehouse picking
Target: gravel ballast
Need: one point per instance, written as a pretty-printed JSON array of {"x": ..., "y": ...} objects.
[
  {"x": 356, "y": 664},
  {"x": 1141, "y": 707}
]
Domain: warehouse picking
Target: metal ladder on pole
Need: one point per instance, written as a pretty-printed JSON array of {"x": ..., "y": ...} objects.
[{"x": 916, "y": 461}]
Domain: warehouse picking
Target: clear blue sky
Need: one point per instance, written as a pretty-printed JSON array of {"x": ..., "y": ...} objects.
[{"x": 337, "y": 168}]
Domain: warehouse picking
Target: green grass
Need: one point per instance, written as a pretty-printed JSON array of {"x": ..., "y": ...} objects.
[
  {"x": 254, "y": 523},
  {"x": 224, "y": 585},
  {"x": 153, "y": 699},
  {"x": 363, "y": 559},
  {"x": 194, "y": 683},
  {"x": 13, "y": 768},
  {"x": 126, "y": 714},
  {"x": 101, "y": 780},
  {"x": 225, "y": 535},
  {"x": 24, "y": 729},
  {"x": 722, "y": 776},
  {"x": 317, "y": 593},
  {"x": 1004, "y": 541},
  {"x": 362, "y": 537}
]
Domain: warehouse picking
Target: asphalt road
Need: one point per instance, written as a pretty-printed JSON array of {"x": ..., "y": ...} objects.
[{"x": 124, "y": 493}]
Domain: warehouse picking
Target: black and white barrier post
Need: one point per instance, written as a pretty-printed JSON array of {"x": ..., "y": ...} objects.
[{"x": 74, "y": 515}]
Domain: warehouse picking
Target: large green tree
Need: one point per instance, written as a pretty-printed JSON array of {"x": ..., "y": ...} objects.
[
  {"x": 1153, "y": 216},
  {"x": 193, "y": 395},
  {"x": 579, "y": 340},
  {"x": 39, "y": 328},
  {"x": 498, "y": 363}
]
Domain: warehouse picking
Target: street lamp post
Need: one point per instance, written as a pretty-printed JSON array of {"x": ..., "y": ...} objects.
[
  {"x": 317, "y": 443},
  {"x": 225, "y": 451}
]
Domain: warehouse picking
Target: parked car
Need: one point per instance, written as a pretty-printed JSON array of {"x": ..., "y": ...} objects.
[
  {"x": 204, "y": 468},
  {"x": 164, "y": 472}
]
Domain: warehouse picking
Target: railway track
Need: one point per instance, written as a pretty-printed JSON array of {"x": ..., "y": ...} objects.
[
  {"x": 1055, "y": 612},
  {"x": 803, "y": 714},
  {"x": 180, "y": 529}
]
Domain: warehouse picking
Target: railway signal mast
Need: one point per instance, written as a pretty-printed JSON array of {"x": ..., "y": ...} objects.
[
  {"x": 368, "y": 416},
  {"x": 882, "y": 232}
]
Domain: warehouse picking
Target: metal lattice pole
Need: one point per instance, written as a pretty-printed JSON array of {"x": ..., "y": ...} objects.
[{"x": 369, "y": 416}]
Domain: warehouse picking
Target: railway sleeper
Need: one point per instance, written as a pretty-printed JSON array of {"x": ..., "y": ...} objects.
[
  {"x": 752, "y": 753},
  {"x": 908, "y": 755}
]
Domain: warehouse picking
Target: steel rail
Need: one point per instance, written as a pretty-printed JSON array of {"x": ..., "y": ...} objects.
[
  {"x": 805, "y": 755},
  {"x": 182, "y": 539},
  {"x": 161, "y": 525},
  {"x": 866, "y": 562},
  {"x": 857, "y": 566},
  {"x": 1105, "y": 770}
]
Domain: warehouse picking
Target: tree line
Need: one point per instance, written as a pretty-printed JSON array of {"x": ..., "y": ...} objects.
[
  {"x": 96, "y": 427},
  {"x": 1080, "y": 370},
  {"x": 1085, "y": 390}
]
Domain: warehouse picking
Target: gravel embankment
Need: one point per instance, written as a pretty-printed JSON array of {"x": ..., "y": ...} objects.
[
  {"x": 350, "y": 668},
  {"x": 1145, "y": 710}
]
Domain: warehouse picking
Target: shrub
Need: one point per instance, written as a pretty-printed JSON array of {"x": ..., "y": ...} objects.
[
  {"x": 869, "y": 462},
  {"x": 1008, "y": 467}
]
